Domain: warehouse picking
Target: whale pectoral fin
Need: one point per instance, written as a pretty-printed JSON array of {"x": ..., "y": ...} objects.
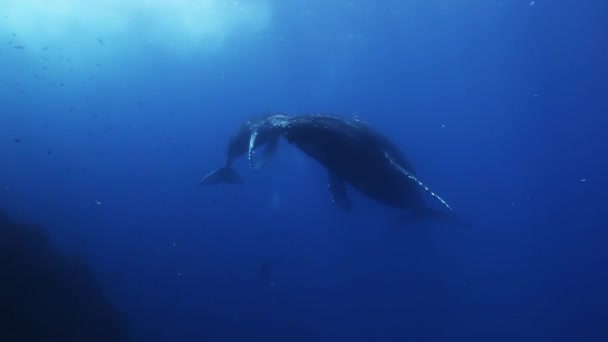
[
  {"x": 254, "y": 135},
  {"x": 337, "y": 190},
  {"x": 269, "y": 150},
  {"x": 413, "y": 178},
  {"x": 223, "y": 175}
]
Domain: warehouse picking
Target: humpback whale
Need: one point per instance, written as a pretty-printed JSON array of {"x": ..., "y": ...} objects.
[
  {"x": 354, "y": 153},
  {"x": 258, "y": 131}
]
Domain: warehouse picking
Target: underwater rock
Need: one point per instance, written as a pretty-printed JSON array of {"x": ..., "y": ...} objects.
[{"x": 46, "y": 296}]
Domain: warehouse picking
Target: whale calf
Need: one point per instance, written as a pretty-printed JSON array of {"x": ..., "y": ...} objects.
[{"x": 256, "y": 132}]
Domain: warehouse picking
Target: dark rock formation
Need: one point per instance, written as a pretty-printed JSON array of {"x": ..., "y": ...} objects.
[{"x": 45, "y": 296}]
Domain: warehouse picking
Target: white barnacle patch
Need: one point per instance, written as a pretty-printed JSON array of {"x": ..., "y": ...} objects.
[{"x": 412, "y": 177}]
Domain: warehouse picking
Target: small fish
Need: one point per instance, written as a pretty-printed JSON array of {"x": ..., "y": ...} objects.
[
  {"x": 45, "y": 48},
  {"x": 19, "y": 47},
  {"x": 14, "y": 35},
  {"x": 100, "y": 41},
  {"x": 17, "y": 140}
]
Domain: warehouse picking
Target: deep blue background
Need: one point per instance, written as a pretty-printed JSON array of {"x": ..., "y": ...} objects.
[{"x": 500, "y": 105}]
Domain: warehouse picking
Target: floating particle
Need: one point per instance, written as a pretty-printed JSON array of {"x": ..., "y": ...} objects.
[
  {"x": 97, "y": 202},
  {"x": 17, "y": 140},
  {"x": 173, "y": 244},
  {"x": 100, "y": 41},
  {"x": 583, "y": 180},
  {"x": 532, "y": 3}
]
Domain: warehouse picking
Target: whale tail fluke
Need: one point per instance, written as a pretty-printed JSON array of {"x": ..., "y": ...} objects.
[{"x": 223, "y": 175}]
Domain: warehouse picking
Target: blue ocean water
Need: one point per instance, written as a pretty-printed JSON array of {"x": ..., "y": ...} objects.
[{"x": 111, "y": 112}]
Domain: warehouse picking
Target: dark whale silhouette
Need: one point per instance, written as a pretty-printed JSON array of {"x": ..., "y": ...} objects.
[
  {"x": 354, "y": 153},
  {"x": 258, "y": 131}
]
